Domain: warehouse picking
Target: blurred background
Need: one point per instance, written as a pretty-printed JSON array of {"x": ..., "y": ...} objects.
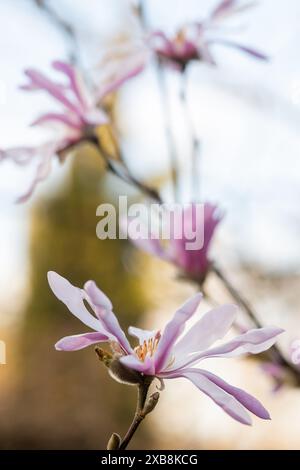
[{"x": 247, "y": 115}]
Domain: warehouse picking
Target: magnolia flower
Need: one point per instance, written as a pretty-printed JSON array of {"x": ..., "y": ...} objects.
[
  {"x": 172, "y": 353},
  {"x": 194, "y": 263},
  {"x": 193, "y": 41},
  {"x": 82, "y": 111}
]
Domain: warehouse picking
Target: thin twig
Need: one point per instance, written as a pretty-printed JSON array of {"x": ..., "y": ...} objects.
[
  {"x": 275, "y": 354},
  {"x": 171, "y": 145},
  {"x": 63, "y": 26},
  {"x": 125, "y": 175},
  {"x": 195, "y": 142},
  {"x": 140, "y": 412}
]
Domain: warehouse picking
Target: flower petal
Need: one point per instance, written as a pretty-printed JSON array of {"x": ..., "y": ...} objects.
[
  {"x": 212, "y": 326},
  {"x": 73, "y": 297},
  {"x": 248, "y": 50},
  {"x": 247, "y": 400},
  {"x": 253, "y": 342},
  {"x": 129, "y": 68},
  {"x": 68, "y": 120},
  {"x": 19, "y": 155},
  {"x": 141, "y": 335},
  {"x": 76, "y": 342},
  {"x": 103, "y": 309},
  {"x": 43, "y": 169},
  {"x": 74, "y": 80},
  {"x": 39, "y": 81},
  {"x": 132, "y": 362},
  {"x": 223, "y": 399},
  {"x": 173, "y": 329}
]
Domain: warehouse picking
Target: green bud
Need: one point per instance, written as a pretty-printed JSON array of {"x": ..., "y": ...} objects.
[
  {"x": 114, "y": 442},
  {"x": 150, "y": 403}
]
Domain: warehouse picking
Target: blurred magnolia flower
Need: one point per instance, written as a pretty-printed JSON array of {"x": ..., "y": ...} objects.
[
  {"x": 295, "y": 351},
  {"x": 276, "y": 373},
  {"x": 170, "y": 354},
  {"x": 193, "y": 263},
  {"x": 82, "y": 111},
  {"x": 193, "y": 41}
]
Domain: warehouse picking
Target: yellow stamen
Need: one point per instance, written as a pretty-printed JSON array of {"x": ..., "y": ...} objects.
[{"x": 148, "y": 347}]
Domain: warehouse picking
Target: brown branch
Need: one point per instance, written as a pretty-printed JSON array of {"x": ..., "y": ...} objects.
[
  {"x": 274, "y": 352},
  {"x": 62, "y": 25}
]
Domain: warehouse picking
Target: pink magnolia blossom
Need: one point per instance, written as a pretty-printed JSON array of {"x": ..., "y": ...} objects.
[
  {"x": 82, "y": 110},
  {"x": 194, "y": 41},
  {"x": 174, "y": 352},
  {"x": 193, "y": 263}
]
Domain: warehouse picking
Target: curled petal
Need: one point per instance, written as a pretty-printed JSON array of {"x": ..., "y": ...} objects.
[
  {"x": 19, "y": 155},
  {"x": 42, "y": 171},
  {"x": 76, "y": 342},
  {"x": 73, "y": 297},
  {"x": 103, "y": 309}
]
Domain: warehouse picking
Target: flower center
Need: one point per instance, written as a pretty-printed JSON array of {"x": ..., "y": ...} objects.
[{"x": 147, "y": 347}]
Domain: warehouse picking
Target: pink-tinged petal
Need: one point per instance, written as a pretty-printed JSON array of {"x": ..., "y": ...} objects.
[
  {"x": 103, "y": 309},
  {"x": 204, "y": 53},
  {"x": 95, "y": 117},
  {"x": 253, "y": 342},
  {"x": 222, "y": 8},
  {"x": 42, "y": 171},
  {"x": 41, "y": 82},
  {"x": 214, "y": 325},
  {"x": 76, "y": 342},
  {"x": 230, "y": 7},
  {"x": 68, "y": 120},
  {"x": 97, "y": 296},
  {"x": 74, "y": 79},
  {"x": 73, "y": 298},
  {"x": 173, "y": 330},
  {"x": 149, "y": 243},
  {"x": 248, "y": 50},
  {"x": 227, "y": 402},
  {"x": 161, "y": 44},
  {"x": 141, "y": 335},
  {"x": 132, "y": 362},
  {"x": 130, "y": 68},
  {"x": 19, "y": 155},
  {"x": 247, "y": 400}
]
